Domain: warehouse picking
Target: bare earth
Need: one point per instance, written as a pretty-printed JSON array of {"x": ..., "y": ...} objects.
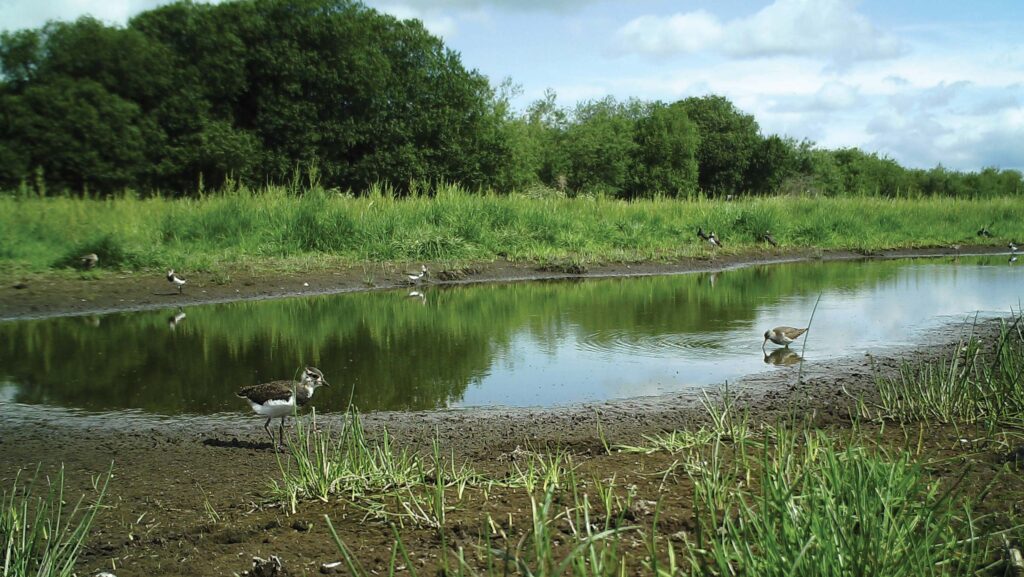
[{"x": 190, "y": 496}]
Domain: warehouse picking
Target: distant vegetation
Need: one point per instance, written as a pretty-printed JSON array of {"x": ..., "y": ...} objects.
[
  {"x": 281, "y": 229},
  {"x": 188, "y": 97}
]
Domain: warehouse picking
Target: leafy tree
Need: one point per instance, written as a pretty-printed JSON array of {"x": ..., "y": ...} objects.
[
  {"x": 599, "y": 145},
  {"x": 665, "y": 156},
  {"x": 728, "y": 141}
]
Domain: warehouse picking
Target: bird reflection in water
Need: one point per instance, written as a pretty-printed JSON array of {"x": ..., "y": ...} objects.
[
  {"x": 175, "y": 319},
  {"x": 782, "y": 357}
]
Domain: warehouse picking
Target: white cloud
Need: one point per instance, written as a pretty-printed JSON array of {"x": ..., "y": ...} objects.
[
  {"x": 831, "y": 29},
  {"x": 812, "y": 28},
  {"x": 679, "y": 33}
]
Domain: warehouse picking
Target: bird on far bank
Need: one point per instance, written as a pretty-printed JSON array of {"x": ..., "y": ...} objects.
[
  {"x": 985, "y": 232},
  {"x": 281, "y": 398},
  {"x": 711, "y": 239},
  {"x": 768, "y": 238},
  {"x": 782, "y": 336},
  {"x": 176, "y": 280},
  {"x": 89, "y": 261},
  {"x": 1012, "y": 246},
  {"x": 415, "y": 278}
]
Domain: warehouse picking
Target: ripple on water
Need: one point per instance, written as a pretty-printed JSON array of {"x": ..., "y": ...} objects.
[{"x": 664, "y": 345}]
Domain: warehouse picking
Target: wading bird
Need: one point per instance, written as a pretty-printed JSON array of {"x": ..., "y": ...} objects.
[
  {"x": 175, "y": 280},
  {"x": 416, "y": 278},
  {"x": 280, "y": 398},
  {"x": 782, "y": 336}
]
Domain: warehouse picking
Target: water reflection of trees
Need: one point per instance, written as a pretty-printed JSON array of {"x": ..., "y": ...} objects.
[{"x": 385, "y": 350}]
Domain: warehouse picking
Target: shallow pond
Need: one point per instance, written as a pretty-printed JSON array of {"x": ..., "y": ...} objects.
[{"x": 516, "y": 344}]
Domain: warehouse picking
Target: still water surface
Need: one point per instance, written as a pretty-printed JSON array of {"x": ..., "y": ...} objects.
[{"x": 520, "y": 344}]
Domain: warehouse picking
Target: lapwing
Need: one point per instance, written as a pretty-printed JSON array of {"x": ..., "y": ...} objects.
[
  {"x": 280, "y": 398},
  {"x": 416, "y": 278},
  {"x": 768, "y": 238},
  {"x": 176, "y": 280}
]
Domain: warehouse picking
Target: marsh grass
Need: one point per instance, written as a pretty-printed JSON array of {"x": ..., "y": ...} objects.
[
  {"x": 971, "y": 384},
  {"x": 41, "y": 534},
  {"x": 786, "y": 500},
  {"x": 275, "y": 227}
]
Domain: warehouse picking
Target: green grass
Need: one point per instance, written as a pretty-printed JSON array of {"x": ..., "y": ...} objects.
[
  {"x": 972, "y": 384},
  {"x": 273, "y": 228},
  {"x": 40, "y": 534},
  {"x": 785, "y": 500}
]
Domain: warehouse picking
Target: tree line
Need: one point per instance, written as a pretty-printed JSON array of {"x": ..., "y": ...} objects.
[{"x": 189, "y": 96}]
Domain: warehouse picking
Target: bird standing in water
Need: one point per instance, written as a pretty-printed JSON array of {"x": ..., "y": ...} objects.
[{"x": 782, "y": 336}]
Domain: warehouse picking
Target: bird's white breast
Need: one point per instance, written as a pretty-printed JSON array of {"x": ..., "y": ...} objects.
[{"x": 275, "y": 408}]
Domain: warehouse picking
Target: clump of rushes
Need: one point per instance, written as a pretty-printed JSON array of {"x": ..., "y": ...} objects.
[
  {"x": 815, "y": 508},
  {"x": 371, "y": 475},
  {"x": 39, "y": 534},
  {"x": 969, "y": 385}
]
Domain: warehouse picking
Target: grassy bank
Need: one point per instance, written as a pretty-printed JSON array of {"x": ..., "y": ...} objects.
[
  {"x": 275, "y": 229},
  {"x": 733, "y": 497}
]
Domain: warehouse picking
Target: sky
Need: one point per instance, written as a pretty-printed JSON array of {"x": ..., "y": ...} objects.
[{"x": 922, "y": 82}]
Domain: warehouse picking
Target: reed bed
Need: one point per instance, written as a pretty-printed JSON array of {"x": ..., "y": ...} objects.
[{"x": 276, "y": 228}]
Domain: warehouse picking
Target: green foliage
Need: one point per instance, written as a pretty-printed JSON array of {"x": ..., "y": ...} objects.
[
  {"x": 967, "y": 386},
  {"x": 728, "y": 142},
  {"x": 247, "y": 90},
  {"x": 544, "y": 226},
  {"x": 40, "y": 534}
]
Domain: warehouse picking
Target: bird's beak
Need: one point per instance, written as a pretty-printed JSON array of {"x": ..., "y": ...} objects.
[{"x": 325, "y": 383}]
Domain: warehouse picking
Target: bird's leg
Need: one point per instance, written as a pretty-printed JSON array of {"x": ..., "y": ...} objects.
[
  {"x": 280, "y": 434},
  {"x": 266, "y": 427}
]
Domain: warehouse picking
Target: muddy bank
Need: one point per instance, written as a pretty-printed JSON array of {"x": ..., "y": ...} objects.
[{"x": 59, "y": 294}]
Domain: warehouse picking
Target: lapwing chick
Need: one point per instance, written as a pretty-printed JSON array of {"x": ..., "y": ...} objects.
[
  {"x": 768, "y": 238},
  {"x": 782, "y": 336},
  {"x": 418, "y": 277},
  {"x": 714, "y": 240},
  {"x": 176, "y": 280},
  {"x": 280, "y": 398},
  {"x": 89, "y": 261}
]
